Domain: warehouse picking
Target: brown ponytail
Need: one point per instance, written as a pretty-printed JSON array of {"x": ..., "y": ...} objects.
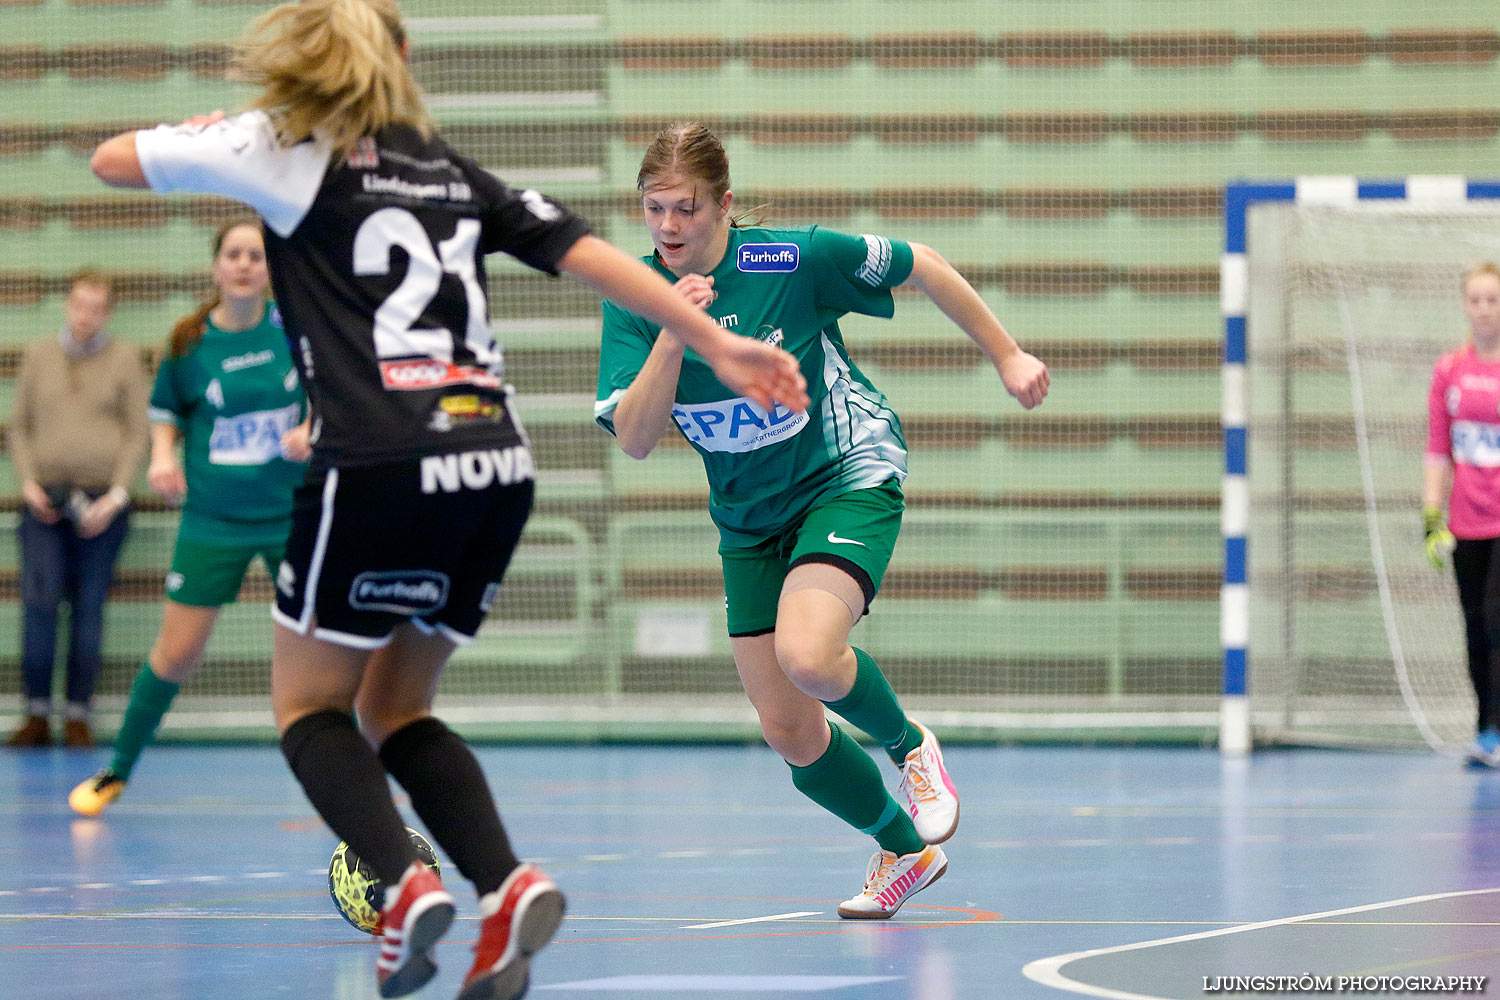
[{"x": 187, "y": 332}]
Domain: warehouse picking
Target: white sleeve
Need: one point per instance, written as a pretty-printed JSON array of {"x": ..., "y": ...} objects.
[{"x": 239, "y": 158}]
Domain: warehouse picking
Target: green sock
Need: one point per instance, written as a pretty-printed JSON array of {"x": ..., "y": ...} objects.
[
  {"x": 846, "y": 782},
  {"x": 872, "y": 706},
  {"x": 150, "y": 697}
]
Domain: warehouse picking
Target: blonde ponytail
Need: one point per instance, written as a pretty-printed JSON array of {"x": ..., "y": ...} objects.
[{"x": 332, "y": 69}]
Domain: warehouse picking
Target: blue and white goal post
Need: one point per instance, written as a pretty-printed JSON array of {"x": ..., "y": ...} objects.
[{"x": 1240, "y": 197}]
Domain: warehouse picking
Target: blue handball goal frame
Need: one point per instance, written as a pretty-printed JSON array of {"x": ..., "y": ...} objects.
[{"x": 1235, "y": 736}]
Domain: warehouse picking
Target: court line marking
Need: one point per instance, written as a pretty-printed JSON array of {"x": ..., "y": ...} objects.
[
  {"x": 751, "y": 920},
  {"x": 1047, "y": 970}
]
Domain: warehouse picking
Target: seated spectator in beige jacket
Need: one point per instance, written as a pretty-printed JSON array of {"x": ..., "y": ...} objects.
[{"x": 78, "y": 433}]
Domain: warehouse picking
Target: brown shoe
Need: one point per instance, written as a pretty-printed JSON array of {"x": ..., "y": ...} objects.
[
  {"x": 76, "y": 734},
  {"x": 34, "y": 732}
]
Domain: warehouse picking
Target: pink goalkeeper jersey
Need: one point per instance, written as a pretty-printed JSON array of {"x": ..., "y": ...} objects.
[{"x": 1463, "y": 423}]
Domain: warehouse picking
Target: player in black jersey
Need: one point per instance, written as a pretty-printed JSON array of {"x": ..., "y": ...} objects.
[{"x": 421, "y": 478}]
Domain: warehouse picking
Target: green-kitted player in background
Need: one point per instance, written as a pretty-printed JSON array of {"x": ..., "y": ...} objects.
[
  {"x": 807, "y": 505},
  {"x": 227, "y": 390}
]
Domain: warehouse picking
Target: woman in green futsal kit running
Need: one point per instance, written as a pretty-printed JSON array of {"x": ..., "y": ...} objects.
[
  {"x": 227, "y": 390},
  {"x": 808, "y": 505}
]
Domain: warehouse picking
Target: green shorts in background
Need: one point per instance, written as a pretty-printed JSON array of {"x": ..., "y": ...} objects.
[
  {"x": 209, "y": 576},
  {"x": 854, "y": 531}
]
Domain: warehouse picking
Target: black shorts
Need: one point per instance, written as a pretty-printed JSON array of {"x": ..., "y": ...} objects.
[{"x": 424, "y": 541}]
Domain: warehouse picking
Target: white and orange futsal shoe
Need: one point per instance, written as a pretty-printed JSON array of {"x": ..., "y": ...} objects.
[
  {"x": 891, "y": 880},
  {"x": 930, "y": 796}
]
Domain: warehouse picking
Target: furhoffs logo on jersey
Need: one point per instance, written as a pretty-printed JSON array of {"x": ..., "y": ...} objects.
[
  {"x": 767, "y": 258},
  {"x": 401, "y": 591},
  {"x": 430, "y": 373},
  {"x": 476, "y": 470}
]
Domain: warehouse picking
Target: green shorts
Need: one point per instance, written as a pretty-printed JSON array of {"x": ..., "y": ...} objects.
[
  {"x": 209, "y": 576},
  {"x": 854, "y": 531}
]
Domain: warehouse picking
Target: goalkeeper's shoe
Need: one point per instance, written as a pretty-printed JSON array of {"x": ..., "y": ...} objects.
[
  {"x": 94, "y": 795},
  {"x": 1485, "y": 752},
  {"x": 891, "y": 880},
  {"x": 1436, "y": 538}
]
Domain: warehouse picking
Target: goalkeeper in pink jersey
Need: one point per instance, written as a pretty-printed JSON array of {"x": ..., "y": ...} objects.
[{"x": 1463, "y": 466}]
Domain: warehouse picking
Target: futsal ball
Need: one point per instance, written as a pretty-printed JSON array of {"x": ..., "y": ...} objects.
[{"x": 356, "y": 890}]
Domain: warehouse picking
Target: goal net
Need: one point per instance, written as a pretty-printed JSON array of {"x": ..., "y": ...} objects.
[{"x": 1354, "y": 637}]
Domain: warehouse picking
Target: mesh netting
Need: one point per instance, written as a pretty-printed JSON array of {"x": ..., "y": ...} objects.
[
  {"x": 1059, "y": 568},
  {"x": 1355, "y": 637}
]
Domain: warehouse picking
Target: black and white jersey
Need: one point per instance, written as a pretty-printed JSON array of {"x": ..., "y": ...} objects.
[{"x": 377, "y": 262}]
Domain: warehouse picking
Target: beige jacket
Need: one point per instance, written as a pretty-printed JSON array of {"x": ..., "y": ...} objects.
[{"x": 79, "y": 421}]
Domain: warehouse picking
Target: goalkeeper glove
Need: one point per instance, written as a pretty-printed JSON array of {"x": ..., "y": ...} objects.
[{"x": 1437, "y": 539}]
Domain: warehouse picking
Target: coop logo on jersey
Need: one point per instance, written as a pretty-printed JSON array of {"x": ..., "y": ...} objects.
[
  {"x": 736, "y": 425},
  {"x": 400, "y": 591},
  {"x": 430, "y": 373},
  {"x": 767, "y": 258},
  {"x": 877, "y": 261},
  {"x": 251, "y": 438}
]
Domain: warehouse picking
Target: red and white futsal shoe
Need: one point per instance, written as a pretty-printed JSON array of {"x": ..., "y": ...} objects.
[
  {"x": 417, "y": 913},
  {"x": 930, "y": 796},
  {"x": 891, "y": 880},
  {"x": 520, "y": 918}
]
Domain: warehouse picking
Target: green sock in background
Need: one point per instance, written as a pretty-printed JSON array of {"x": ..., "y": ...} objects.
[{"x": 150, "y": 698}]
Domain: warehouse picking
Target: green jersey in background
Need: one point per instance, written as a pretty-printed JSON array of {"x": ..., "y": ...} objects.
[{"x": 231, "y": 398}]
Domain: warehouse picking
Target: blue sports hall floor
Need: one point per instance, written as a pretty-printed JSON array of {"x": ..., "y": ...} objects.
[{"x": 697, "y": 872}]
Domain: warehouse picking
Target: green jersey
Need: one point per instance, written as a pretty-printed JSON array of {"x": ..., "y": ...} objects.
[
  {"x": 231, "y": 398},
  {"x": 787, "y": 287}
]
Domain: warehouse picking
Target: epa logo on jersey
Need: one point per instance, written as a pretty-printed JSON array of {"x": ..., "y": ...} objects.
[{"x": 767, "y": 258}]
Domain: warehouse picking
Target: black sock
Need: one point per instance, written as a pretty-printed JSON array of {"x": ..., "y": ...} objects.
[
  {"x": 345, "y": 783},
  {"x": 449, "y": 792}
]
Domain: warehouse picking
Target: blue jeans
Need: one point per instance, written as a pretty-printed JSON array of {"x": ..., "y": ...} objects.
[{"x": 56, "y": 564}]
